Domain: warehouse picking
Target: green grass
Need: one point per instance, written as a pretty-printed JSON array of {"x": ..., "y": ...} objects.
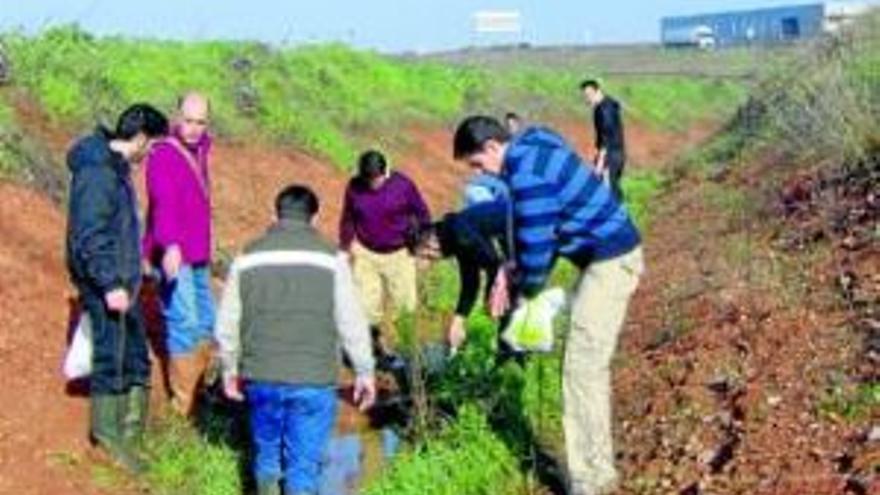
[
  {"x": 677, "y": 103},
  {"x": 184, "y": 461},
  {"x": 329, "y": 99},
  {"x": 851, "y": 403},
  {"x": 820, "y": 106},
  {"x": 467, "y": 457},
  {"x": 9, "y": 162},
  {"x": 640, "y": 189}
]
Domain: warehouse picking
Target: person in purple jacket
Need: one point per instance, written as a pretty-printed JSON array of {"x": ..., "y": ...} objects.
[
  {"x": 380, "y": 208},
  {"x": 178, "y": 242}
]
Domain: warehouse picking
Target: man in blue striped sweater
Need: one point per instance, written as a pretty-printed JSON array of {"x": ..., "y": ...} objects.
[{"x": 561, "y": 207}]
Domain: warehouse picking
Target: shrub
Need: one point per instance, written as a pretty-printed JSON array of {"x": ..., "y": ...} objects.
[{"x": 465, "y": 458}]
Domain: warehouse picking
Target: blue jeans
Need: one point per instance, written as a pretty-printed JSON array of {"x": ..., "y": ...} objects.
[
  {"x": 291, "y": 426},
  {"x": 188, "y": 309}
]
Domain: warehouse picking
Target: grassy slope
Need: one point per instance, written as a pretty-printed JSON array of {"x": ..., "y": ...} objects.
[{"x": 330, "y": 99}]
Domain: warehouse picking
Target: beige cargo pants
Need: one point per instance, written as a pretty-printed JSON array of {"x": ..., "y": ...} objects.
[
  {"x": 598, "y": 312},
  {"x": 380, "y": 276}
]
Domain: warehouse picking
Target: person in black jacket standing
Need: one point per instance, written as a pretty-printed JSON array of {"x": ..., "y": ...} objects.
[
  {"x": 104, "y": 260},
  {"x": 608, "y": 123}
]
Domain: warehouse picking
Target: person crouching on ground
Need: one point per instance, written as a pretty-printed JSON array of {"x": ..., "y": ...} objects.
[
  {"x": 288, "y": 303},
  {"x": 476, "y": 238}
]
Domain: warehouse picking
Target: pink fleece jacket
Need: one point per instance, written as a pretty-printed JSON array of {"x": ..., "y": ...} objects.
[{"x": 179, "y": 210}]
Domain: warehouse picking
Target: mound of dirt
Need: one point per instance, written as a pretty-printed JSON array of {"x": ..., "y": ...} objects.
[
  {"x": 740, "y": 349},
  {"x": 42, "y": 428},
  {"x": 841, "y": 208}
]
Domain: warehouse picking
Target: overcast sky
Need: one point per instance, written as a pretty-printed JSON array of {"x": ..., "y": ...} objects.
[{"x": 386, "y": 25}]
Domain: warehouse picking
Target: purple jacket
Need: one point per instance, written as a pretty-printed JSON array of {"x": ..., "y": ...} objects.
[
  {"x": 380, "y": 219},
  {"x": 179, "y": 210}
]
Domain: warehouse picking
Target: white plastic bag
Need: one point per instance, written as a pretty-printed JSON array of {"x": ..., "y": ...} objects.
[
  {"x": 78, "y": 361},
  {"x": 531, "y": 325}
]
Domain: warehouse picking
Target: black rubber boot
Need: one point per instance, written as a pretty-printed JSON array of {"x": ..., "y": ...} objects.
[
  {"x": 135, "y": 412},
  {"x": 107, "y": 430}
]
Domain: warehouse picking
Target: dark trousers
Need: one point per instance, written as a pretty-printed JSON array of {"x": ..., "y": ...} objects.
[
  {"x": 614, "y": 162},
  {"x": 120, "y": 359}
]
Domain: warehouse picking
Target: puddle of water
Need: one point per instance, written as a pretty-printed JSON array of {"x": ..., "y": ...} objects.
[
  {"x": 364, "y": 444},
  {"x": 352, "y": 459}
]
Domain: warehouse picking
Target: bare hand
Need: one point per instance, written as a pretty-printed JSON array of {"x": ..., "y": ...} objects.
[
  {"x": 171, "y": 261},
  {"x": 457, "y": 332},
  {"x": 117, "y": 300},
  {"x": 499, "y": 297},
  {"x": 146, "y": 267},
  {"x": 364, "y": 392},
  {"x": 600, "y": 163},
  {"x": 232, "y": 388}
]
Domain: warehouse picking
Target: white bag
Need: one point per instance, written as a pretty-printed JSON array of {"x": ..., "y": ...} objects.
[
  {"x": 531, "y": 325},
  {"x": 78, "y": 361}
]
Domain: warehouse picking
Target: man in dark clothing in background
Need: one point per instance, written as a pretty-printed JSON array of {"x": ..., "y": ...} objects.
[
  {"x": 608, "y": 123},
  {"x": 104, "y": 260}
]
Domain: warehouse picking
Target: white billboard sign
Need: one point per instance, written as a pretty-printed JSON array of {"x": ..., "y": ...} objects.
[{"x": 498, "y": 21}]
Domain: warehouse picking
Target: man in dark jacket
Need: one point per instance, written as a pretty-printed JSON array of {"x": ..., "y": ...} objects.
[
  {"x": 608, "y": 124},
  {"x": 104, "y": 260}
]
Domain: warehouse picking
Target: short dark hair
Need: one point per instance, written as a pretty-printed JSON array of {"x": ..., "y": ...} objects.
[
  {"x": 296, "y": 201},
  {"x": 590, "y": 83},
  {"x": 512, "y": 116},
  {"x": 141, "y": 118},
  {"x": 419, "y": 235},
  {"x": 371, "y": 164},
  {"x": 473, "y": 133}
]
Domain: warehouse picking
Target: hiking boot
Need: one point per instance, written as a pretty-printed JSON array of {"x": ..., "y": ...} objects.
[
  {"x": 185, "y": 374},
  {"x": 106, "y": 430},
  {"x": 134, "y": 418},
  {"x": 268, "y": 488}
]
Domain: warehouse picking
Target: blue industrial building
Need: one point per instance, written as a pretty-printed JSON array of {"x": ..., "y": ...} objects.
[{"x": 759, "y": 26}]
